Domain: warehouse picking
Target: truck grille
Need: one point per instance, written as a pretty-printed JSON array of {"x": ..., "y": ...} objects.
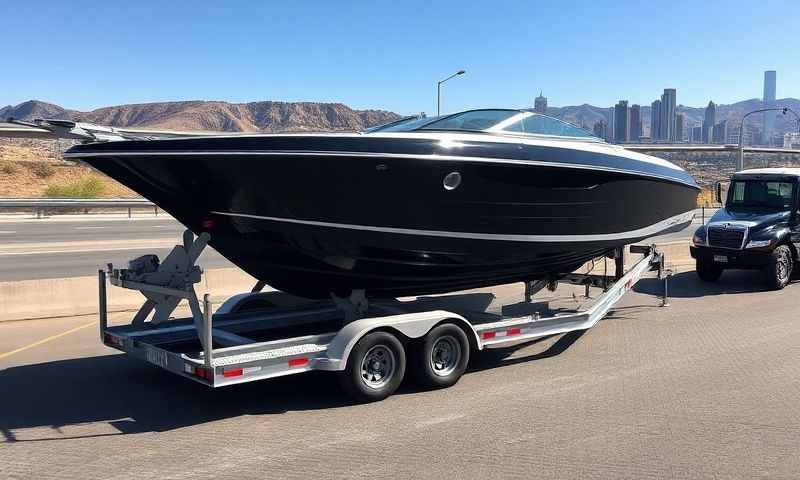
[{"x": 730, "y": 237}]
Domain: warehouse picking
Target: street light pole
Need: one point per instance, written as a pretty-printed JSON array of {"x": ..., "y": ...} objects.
[
  {"x": 439, "y": 90},
  {"x": 784, "y": 110}
]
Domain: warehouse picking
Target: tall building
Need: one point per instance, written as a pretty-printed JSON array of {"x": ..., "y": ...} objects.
[
  {"x": 709, "y": 121},
  {"x": 636, "y": 123},
  {"x": 611, "y": 125},
  {"x": 600, "y": 129},
  {"x": 678, "y": 128},
  {"x": 655, "y": 121},
  {"x": 668, "y": 103},
  {"x": 769, "y": 102},
  {"x": 697, "y": 134},
  {"x": 622, "y": 132},
  {"x": 720, "y": 132},
  {"x": 540, "y": 104}
]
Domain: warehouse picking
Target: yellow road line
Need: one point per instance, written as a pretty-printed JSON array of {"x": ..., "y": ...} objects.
[{"x": 45, "y": 340}]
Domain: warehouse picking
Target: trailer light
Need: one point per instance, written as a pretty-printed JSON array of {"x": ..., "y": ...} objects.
[
  {"x": 237, "y": 372},
  {"x": 198, "y": 371},
  {"x": 298, "y": 362},
  {"x": 488, "y": 335},
  {"x": 513, "y": 331},
  {"x": 207, "y": 224}
]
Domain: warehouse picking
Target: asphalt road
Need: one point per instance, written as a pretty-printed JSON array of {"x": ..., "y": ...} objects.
[
  {"x": 705, "y": 388},
  {"x": 73, "y": 247}
]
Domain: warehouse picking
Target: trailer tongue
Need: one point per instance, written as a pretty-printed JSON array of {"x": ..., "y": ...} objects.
[{"x": 261, "y": 335}]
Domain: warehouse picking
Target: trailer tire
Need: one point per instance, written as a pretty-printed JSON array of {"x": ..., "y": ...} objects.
[
  {"x": 779, "y": 270},
  {"x": 441, "y": 357},
  {"x": 375, "y": 368},
  {"x": 708, "y": 271}
]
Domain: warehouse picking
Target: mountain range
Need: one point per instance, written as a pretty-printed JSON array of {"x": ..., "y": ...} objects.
[
  {"x": 268, "y": 116},
  {"x": 213, "y": 115}
]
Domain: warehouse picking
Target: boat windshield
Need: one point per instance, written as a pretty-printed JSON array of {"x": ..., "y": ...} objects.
[
  {"x": 760, "y": 194},
  {"x": 471, "y": 121},
  {"x": 537, "y": 124},
  {"x": 403, "y": 125}
]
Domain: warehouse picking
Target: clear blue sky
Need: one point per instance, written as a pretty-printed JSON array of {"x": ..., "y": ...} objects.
[{"x": 389, "y": 54}]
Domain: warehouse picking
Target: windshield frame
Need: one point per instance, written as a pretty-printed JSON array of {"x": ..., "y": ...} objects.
[
  {"x": 793, "y": 181},
  {"x": 456, "y": 130},
  {"x": 399, "y": 121}
]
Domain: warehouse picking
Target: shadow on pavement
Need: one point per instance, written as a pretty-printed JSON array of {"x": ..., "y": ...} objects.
[
  {"x": 689, "y": 285},
  {"x": 499, "y": 357},
  {"x": 135, "y": 397}
]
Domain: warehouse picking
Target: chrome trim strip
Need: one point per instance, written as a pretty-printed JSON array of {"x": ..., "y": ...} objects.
[
  {"x": 641, "y": 232},
  {"x": 323, "y": 153}
]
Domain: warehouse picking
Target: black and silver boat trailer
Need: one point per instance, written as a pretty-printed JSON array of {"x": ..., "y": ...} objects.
[{"x": 260, "y": 335}]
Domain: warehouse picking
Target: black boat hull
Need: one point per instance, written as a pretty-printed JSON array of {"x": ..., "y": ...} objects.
[{"x": 319, "y": 215}]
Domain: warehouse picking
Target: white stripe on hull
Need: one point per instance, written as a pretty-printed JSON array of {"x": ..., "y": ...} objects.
[{"x": 638, "y": 233}]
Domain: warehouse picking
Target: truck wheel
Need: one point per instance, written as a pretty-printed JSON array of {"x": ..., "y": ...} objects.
[
  {"x": 779, "y": 269},
  {"x": 708, "y": 271},
  {"x": 375, "y": 368},
  {"x": 442, "y": 357}
]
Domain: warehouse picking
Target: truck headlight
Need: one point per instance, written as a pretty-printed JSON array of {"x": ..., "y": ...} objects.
[
  {"x": 758, "y": 243},
  {"x": 699, "y": 238}
]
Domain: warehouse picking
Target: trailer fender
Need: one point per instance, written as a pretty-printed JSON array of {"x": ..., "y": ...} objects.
[{"x": 412, "y": 325}]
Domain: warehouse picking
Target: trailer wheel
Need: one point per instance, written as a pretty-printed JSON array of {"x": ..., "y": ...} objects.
[
  {"x": 375, "y": 367},
  {"x": 442, "y": 357},
  {"x": 708, "y": 271},
  {"x": 779, "y": 270}
]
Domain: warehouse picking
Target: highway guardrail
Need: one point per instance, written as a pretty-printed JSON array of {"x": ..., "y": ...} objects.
[{"x": 41, "y": 205}]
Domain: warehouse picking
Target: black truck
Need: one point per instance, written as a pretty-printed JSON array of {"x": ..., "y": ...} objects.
[{"x": 758, "y": 228}]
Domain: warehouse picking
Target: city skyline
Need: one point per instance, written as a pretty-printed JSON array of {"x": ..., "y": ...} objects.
[{"x": 625, "y": 124}]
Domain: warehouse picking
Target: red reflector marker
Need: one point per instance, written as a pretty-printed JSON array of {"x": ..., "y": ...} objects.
[
  {"x": 298, "y": 362},
  {"x": 233, "y": 373},
  {"x": 513, "y": 331},
  {"x": 207, "y": 224},
  {"x": 488, "y": 335}
]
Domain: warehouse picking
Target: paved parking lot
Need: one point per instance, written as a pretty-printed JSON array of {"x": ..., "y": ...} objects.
[{"x": 706, "y": 388}]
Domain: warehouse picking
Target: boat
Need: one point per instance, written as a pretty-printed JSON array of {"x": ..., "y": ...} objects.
[{"x": 419, "y": 206}]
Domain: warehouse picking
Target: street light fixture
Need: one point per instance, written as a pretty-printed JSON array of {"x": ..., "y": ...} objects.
[
  {"x": 783, "y": 110},
  {"x": 439, "y": 90}
]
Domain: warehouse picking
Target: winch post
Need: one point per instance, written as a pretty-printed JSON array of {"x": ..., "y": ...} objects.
[{"x": 207, "y": 339}]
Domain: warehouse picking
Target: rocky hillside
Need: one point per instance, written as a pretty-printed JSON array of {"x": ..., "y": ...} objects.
[{"x": 212, "y": 115}]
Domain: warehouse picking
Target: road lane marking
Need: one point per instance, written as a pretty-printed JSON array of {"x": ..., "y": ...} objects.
[
  {"x": 45, "y": 340},
  {"x": 51, "y": 252}
]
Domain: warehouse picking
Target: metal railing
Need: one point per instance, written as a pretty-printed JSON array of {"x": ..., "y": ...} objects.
[{"x": 41, "y": 205}]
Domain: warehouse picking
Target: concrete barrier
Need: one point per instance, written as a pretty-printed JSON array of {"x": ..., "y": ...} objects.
[{"x": 59, "y": 297}]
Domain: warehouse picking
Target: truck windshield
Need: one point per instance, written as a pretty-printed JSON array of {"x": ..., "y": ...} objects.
[{"x": 761, "y": 193}]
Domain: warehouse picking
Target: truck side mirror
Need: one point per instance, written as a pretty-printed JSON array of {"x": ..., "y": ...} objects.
[{"x": 721, "y": 189}]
